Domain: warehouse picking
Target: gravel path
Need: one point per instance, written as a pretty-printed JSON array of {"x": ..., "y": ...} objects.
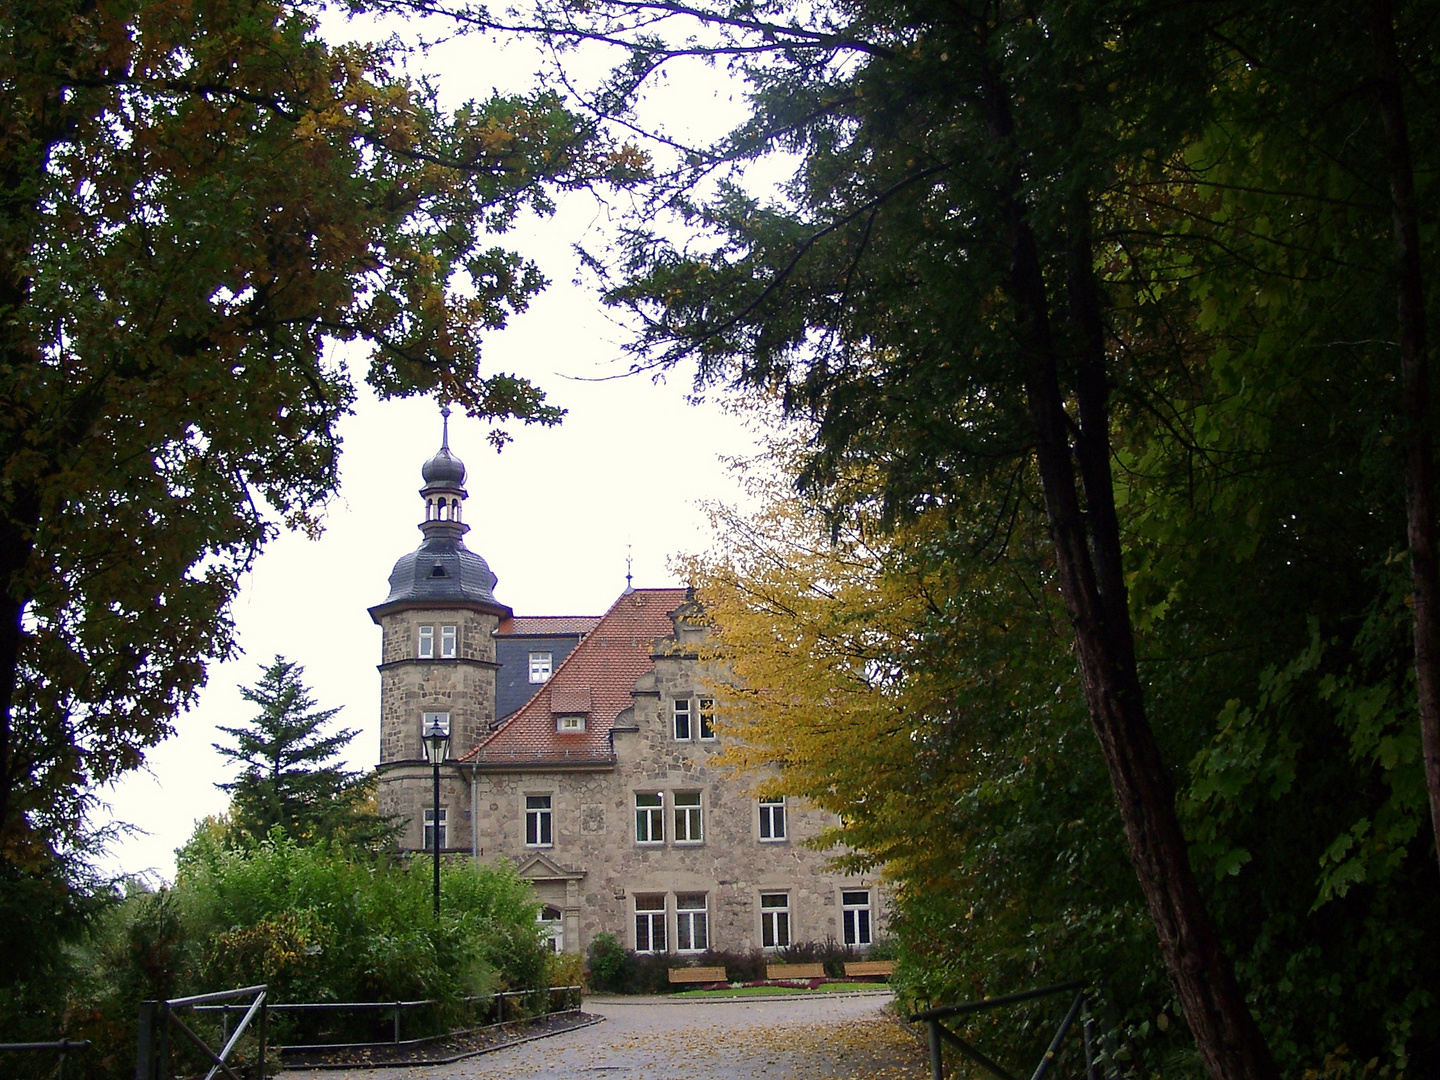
[{"x": 790, "y": 1038}]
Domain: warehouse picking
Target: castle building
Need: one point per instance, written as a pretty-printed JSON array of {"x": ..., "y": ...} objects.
[{"x": 583, "y": 750}]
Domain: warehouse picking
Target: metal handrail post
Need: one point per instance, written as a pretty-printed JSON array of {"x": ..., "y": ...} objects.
[
  {"x": 937, "y": 1051},
  {"x": 145, "y": 1042},
  {"x": 395, "y": 1015},
  {"x": 263, "y": 1032}
]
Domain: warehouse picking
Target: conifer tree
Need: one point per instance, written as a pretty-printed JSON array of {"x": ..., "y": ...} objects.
[{"x": 290, "y": 775}]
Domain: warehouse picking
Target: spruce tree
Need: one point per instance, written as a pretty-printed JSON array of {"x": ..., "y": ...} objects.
[{"x": 290, "y": 776}]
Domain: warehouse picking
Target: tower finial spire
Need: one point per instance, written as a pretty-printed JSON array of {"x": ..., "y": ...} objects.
[
  {"x": 629, "y": 578},
  {"x": 445, "y": 426}
]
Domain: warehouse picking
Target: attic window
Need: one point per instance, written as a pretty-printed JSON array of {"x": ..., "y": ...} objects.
[
  {"x": 569, "y": 723},
  {"x": 437, "y": 570}
]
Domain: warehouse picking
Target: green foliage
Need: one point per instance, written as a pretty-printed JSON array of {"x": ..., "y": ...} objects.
[
  {"x": 198, "y": 200},
  {"x": 609, "y": 963},
  {"x": 289, "y": 778}
]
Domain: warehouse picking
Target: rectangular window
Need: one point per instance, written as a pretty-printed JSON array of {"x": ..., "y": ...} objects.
[
  {"x": 430, "y": 829},
  {"x": 448, "y": 641},
  {"x": 707, "y": 718},
  {"x": 680, "y": 713},
  {"x": 775, "y": 920},
  {"x": 649, "y": 819},
  {"x": 538, "y": 823},
  {"x": 691, "y": 925},
  {"x": 426, "y": 651},
  {"x": 772, "y": 819},
  {"x": 569, "y": 723},
  {"x": 855, "y": 908},
  {"x": 687, "y": 817},
  {"x": 540, "y": 666},
  {"x": 650, "y": 924}
]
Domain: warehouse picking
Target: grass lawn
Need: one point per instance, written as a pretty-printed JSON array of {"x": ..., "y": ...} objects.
[{"x": 771, "y": 991}]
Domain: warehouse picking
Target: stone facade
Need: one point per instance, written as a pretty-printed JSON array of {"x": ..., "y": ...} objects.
[{"x": 604, "y": 788}]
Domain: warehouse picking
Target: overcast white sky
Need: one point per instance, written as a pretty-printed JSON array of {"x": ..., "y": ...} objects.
[{"x": 554, "y": 514}]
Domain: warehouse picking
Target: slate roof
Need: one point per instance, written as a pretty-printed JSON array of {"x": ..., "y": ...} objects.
[
  {"x": 442, "y": 570},
  {"x": 546, "y": 625},
  {"x": 602, "y": 669}
]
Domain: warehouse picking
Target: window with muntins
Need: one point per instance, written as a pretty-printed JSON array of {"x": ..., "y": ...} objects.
[
  {"x": 688, "y": 825},
  {"x": 429, "y": 841},
  {"x": 691, "y": 925},
  {"x": 650, "y": 924},
  {"x": 707, "y": 718},
  {"x": 772, "y": 819},
  {"x": 680, "y": 714},
  {"x": 426, "y": 649},
  {"x": 774, "y": 920},
  {"x": 449, "y": 642},
  {"x": 540, "y": 666},
  {"x": 539, "y": 831},
  {"x": 855, "y": 910},
  {"x": 649, "y": 818}
]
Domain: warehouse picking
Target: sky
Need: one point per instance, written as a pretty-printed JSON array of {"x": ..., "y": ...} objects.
[{"x": 557, "y": 513}]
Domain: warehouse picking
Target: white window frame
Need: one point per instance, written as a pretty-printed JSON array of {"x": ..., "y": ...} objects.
[
  {"x": 772, "y": 820},
  {"x": 649, "y": 818},
  {"x": 553, "y": 929},
  {"x": 705, "y": 710},
  {"x": 570, "y": 725},
  {"x": 857, "y": 918},
  {"x": 775, "y": 920},
  {"x": 449, "y": 642},
  {"x": 681, "y": 720},
  {"x": 692, "y": 922},
  {"x": 427, "y": 841},
  {"x": 425, "y": 648},
  {"x": 542, "y": 666},
  {"x": 650, "y": 923},
  {"x": 540, "y": 819},
  {"x": 689, "y": 816}
]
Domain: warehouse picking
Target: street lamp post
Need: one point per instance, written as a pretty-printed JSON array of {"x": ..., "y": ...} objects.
[{"x": 436, "y": 737}]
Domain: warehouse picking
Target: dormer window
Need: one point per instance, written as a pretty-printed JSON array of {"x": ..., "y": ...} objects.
[
  {"x": 540, "y": 666},
  {"x": 569, "y": 724}
]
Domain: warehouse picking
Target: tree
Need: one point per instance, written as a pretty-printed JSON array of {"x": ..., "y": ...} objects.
[
  {"x": 917, "y": 683},
  {"x": 289, "y": 776},
  {"x": 196, "y": 196},
  {"x": 997, "y": 269},
  {"x": 928, "y": 292}
]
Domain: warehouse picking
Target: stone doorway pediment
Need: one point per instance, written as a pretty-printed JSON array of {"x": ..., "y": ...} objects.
[{"x": 540, "y": 867}]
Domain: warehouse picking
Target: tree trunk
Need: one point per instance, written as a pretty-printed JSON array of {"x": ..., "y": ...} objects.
[
  {"x": 1089, "y": 561},
  {"x": 1415, "y": 388}
]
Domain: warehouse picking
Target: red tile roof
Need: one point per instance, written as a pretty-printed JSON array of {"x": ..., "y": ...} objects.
[
  {"x": 605, "y": 664},
  {"x": 545, "y": 625}
]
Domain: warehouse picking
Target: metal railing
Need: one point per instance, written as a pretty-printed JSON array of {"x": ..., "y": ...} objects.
[
  {"x": 397, "y": 1009},
  {"x": 940, "y": 1035},
  {"x": 157, "y": 1018},
  {"x": 62, "y": 1047}
]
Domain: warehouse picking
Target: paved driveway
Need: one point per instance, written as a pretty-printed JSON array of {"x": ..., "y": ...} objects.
[{"x": 811, "y": 1038}]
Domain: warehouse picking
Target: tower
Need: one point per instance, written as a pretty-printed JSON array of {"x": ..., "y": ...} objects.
[{"x": 437, "y": 655}]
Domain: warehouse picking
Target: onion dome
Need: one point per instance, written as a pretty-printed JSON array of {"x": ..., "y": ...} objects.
[{"x": 442, "y": 570}]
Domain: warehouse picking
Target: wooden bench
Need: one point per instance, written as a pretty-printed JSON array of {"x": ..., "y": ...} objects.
[
  {"x": 794, "y": 971},
  {"x": 870, "y": 967},
  {"x": 697, "y": 975}
]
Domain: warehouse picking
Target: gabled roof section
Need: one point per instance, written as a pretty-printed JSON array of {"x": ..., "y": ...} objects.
[
  {"x": 546, "y": 625},
  {"x": 604, "y": 667}
]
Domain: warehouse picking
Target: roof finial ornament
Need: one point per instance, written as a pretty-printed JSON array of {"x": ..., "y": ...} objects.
[
  {"x": 445, "y": 425},
  {"x": 629, "y": 578}
]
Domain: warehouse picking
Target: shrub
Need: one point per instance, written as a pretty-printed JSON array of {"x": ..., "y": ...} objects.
[{"x": 611, "y": 966}]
